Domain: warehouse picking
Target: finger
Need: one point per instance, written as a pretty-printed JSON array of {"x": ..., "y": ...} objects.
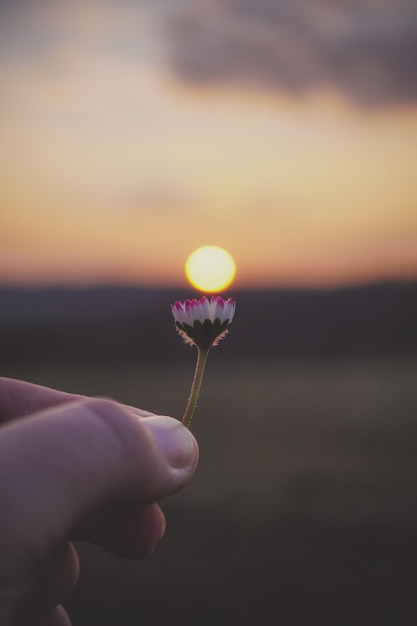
[
  {"x": 53, "y": 584},
  {"x": 59, "y": 577},
  {"x": 62, "y": 464},
  {"x": 56, "y": 617},
  {"x": 126, "y": 530},
  {"x": 19, "y": 398}
]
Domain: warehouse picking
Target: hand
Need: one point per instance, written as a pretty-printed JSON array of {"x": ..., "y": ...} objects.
[{"x": 77, "y": 468}]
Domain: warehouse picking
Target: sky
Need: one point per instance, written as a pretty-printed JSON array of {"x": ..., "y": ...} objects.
[{"x": 133, "y": 132}]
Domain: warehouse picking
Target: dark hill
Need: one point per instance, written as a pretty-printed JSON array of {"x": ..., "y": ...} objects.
[{"x": 111, "y": 323}]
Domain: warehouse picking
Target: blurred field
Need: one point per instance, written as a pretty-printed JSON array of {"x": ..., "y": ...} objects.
[{"x": 303, "y": 509}]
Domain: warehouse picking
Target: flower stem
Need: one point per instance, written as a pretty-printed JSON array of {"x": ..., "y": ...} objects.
[{"x": 195, "y": 387}]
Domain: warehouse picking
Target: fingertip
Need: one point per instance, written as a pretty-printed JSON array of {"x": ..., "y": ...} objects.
[
  {"x": 56, "y": 617},
  {"x": 125, "y": 530},
  {"x": 155, "y": 449},
  {"x": 152, "y": 527},
  {"x": 177, "y": 442},
  {"x": 143, "y": 531}
]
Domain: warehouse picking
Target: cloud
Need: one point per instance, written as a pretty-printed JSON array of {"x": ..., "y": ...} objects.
[
  {"x": 365, "y": 49},
  {"x": 160, "y": 197}
]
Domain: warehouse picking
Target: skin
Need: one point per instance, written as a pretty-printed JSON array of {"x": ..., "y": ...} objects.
[{"x": 77, "y": 468}]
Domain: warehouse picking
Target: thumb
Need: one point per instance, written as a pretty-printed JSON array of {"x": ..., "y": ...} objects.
[{"x": 60, "y": 465}]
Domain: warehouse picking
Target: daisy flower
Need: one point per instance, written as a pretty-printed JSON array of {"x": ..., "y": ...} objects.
[{"x": 202, "y": 323}]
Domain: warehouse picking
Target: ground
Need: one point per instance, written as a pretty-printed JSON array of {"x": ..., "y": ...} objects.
[{"x": 303, "y": 509}]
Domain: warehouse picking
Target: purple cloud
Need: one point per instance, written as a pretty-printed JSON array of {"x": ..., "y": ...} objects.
[{"x": 366, "y": 49}]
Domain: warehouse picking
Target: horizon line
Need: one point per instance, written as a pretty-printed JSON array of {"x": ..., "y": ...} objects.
[{"x": 130, "y": 285}]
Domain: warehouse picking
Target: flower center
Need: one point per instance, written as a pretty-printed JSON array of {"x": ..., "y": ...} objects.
[{"x": 204, "y": 334}]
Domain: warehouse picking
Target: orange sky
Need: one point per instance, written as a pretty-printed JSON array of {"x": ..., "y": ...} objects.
[{"x": 114, "y": 167}]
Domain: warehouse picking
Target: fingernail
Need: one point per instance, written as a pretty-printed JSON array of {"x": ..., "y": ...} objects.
[{"x": 176, "y": 441}]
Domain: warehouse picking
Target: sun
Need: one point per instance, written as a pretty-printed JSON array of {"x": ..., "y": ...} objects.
[{"x": 210, "y": 269}]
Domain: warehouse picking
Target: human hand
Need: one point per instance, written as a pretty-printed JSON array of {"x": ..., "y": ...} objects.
[{"x": 77, "y": 468}]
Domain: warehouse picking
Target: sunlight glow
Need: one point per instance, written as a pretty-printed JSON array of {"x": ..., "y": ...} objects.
[{"x": 210, "y": 269}]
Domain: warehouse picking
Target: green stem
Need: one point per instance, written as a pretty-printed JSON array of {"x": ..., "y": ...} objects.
[{"x": 196, "y": 386}]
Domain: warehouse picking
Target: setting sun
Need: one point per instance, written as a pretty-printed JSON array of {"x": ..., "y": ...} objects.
[{"x": 210, "y": 269}]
